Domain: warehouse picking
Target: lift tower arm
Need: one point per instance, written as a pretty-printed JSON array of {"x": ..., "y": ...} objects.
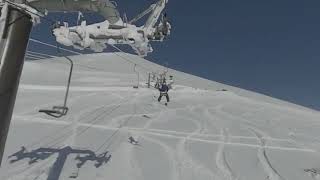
[
  {"x": 141, "y": 15},
  {"x": 105, "y": 8}
]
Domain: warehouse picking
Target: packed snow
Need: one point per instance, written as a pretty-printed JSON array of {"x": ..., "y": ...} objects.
[{"x": 207, "y": 131}]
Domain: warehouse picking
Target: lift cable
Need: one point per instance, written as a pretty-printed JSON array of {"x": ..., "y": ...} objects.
[
  {"x": 53, "y": 46},
  {"x": 119, "y": 128},
  {"x": 41, "y": 54},
  {"x": 93, "y": 122}
]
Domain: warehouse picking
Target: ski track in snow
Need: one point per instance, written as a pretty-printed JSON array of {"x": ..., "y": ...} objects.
[
  {"x": 92, "y": 113},
  {"x": 184, "y": 157},
  {"x": 169, "y": 151},
  {"x": 70, "y": 140},
  {"x": 182, "y": 161},
  {"x": 171, "y": 156},
  {"x": 313, "y": 144},
  {"x": 135, "y": 168},
  {"x": 180, "y": 158},
  {"x": 211, "y": 121},
  {"x": 181, "y": 135},
  {"x": 218, "y": 112},
  {"x": 186, "y": 163},
  {"x": 272, "y": 173},
  {"x": 221, "y": 160},
  {"x": 35, "y": 110},
  {"x": 76, "y": 89}
]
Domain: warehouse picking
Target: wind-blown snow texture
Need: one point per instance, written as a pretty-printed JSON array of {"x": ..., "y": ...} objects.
[{"x": 204, "y": 133}]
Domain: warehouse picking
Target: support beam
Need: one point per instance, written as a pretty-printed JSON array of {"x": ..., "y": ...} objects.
[
  {"x": 13, "y": 44},
  {"x": 104, "y": 7}
]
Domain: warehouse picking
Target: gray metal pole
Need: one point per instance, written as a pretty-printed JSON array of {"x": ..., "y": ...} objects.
[
  {"x": 59, "y": 111},
  {"x": 106, "y": 8},
  {"x": 138, "y": 75},
  {"x": 69, "y": 81},
  {"x": 149, "y": 79},
  {"x": 13, "y": 46}
]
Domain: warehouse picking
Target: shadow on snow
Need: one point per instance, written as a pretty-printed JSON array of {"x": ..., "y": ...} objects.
[{"x": 55, "y": 171}]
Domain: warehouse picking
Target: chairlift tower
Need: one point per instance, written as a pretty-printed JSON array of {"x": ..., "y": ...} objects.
[
  {"x": 16, "y": 25},
  {"x": 18, "y": 16},
  {"x": 16, "y": 21}
]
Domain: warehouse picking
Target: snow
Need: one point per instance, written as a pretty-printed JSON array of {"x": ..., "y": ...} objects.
[
  {"x": 98, "y": 35},
  {"x": 204, "y": 132}
]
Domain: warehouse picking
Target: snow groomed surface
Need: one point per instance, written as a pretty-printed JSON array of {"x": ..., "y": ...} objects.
[{"x": 208, "y": 130}]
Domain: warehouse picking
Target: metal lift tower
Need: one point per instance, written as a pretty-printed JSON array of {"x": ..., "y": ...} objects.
[
  {"x": 18, "y": 16},
  {"x": 16, "y": 25}
]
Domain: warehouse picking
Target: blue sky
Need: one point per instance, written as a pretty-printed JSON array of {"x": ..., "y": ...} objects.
[{"x": 271, "y": 47}]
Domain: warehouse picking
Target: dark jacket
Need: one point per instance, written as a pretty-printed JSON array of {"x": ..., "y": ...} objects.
[{"x": 164, "y": 88}]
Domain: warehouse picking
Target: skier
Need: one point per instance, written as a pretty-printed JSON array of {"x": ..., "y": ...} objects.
[
  {"x": 133, "y": 141},
  {"x": 164, "y": 92}
]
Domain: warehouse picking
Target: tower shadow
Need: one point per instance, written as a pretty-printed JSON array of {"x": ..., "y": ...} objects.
[{"x": 40, "y": 154}]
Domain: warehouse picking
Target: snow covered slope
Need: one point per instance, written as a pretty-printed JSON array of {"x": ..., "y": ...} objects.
[{"x": 204, "y": 133}]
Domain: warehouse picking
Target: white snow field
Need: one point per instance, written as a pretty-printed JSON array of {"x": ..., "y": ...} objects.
[{"x": 203, "y": 134}]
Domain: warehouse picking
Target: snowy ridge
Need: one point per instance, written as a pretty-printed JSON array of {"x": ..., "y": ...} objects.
[{"x": 204, "y": 133}]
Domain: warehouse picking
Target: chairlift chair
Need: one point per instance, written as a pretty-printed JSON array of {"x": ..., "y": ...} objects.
[
  {"x": 59, "y": 111},
  {"x": 56, "y": 111}
]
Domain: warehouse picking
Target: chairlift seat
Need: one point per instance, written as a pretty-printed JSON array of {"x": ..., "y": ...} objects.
[
  {"x": 56, "y": 111},
  {"x": 62, "y": 109}
]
